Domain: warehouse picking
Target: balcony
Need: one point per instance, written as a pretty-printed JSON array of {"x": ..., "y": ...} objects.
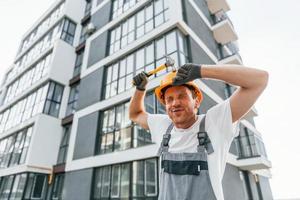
[
  {"x": 229, "y": 54},
  {"x": 223, "y": 29},
  {"x": 254, "y": 163},
  {"x": 215, "y": 5}
]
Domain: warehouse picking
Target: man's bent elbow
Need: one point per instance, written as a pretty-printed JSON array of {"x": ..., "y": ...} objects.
[{"x": 265, "y": 79}]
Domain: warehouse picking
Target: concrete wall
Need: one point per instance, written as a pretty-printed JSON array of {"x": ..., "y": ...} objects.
[
  {"x": 90, "y": 89},
  {"x": 45, "y": 142},
  {"x": 78, "y": 184},
  {"x": 86, "y": 136},
  {"x": 97, "y": 49},
  {"x": 101, "y": 17}
]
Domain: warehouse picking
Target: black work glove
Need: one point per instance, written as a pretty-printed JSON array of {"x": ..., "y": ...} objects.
[
  {"x": 187, "y": 72},
  {"x": 140, "y": 81}
]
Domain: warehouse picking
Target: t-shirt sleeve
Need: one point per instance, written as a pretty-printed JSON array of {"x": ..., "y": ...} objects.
[
  {"x": 157, "y": 124},
  {"x": 220, "y": 117}
]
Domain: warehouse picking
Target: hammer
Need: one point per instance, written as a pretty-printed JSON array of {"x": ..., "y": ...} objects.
[{"x": 169, "y": 63}]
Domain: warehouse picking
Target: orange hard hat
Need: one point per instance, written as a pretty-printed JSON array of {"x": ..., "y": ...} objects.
[{"x": 168, "y": 81}]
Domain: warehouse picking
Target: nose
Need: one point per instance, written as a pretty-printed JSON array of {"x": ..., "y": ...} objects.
[{"x": 175, "y": 102}]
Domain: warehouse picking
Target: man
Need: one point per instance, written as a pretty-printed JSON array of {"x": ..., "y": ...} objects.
[{"x": 194, "y": 148}]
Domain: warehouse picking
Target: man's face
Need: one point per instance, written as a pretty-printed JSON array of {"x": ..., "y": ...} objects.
[{"x": 180, "y": 104}]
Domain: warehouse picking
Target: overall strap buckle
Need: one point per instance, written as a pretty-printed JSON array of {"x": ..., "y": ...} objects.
[
  {"x": 203, "y": 138},
  {"x": 164, "y": 146},
  {"x": 166, "y": 139}
]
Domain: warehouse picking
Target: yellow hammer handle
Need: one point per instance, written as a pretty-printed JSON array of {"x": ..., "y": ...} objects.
[{"x": 163, "y": 66}]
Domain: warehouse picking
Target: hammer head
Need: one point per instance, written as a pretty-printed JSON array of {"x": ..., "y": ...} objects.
[{"x": 170, "y": 63}]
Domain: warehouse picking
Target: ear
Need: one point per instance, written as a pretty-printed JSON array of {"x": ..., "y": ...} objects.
[{"x": 197, "y": 103}]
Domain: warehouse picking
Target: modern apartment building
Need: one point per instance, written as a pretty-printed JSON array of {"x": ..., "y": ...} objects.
[{"x": 64, "y": 126}]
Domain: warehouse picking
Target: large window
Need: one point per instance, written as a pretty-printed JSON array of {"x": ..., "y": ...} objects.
[
  {"x": 32, "y": 105},
  {"x": 68, "y": 31},
  {"x": 119, "y": 75},
  {"x": 64, "y": 144},
  {"x": 73, "y": 98},
  {"x": 54, "y": 96},
  {"x": 153, "y": 15},
  {"x": 25, "y": 186},
  {"x": 137, "y": 180},
  {"x": 23, "y": 109},
  {"x": 249, "y": 145},
  {"x": 30, "y": 77},
  {"x": 35, "y": 187},
  {"x": 119, "y": 133},
  {"x": 58, "y": 187},
  {"x": 13, "y": 149}
]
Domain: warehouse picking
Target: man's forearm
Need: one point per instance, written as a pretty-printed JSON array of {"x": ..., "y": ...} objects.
[{"x": 244, "y": 77}]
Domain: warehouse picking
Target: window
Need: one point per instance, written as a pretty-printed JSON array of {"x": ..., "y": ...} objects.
[
  {"x": 6, "y": 186},
  {"x": 58, "y": 186},
  {"x": 36, "y": 187},
  {"x": 18, "y": 187},
  {"x": 68, "y": 31},
  {"x": 153, "y": 15},
  {"x": 72, "y": 103},
  {"x": 53, "y": 100},
  {"x": 137, "y": 180},
  {"x": 78, "y": 63},
  {"x": 121, "y": 6},
  {"x": 119, "y": 133},
  {"x": 88, "y": 7},
  {"x": 119, "y": 75},
  {"x": 84, "y": 34},
  {"x": 13, "y": 149},
  {"x": 249, "y": 144},
  {"x": 64, "y": 144}
]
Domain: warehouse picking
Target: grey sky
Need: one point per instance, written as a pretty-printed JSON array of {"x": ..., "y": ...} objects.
[{"x": 269, "y": 39}]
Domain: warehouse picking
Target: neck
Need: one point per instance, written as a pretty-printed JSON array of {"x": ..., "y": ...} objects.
[{"x": 188, "y": 123}]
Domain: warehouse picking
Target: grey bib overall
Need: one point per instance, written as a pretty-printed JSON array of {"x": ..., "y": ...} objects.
[{"x": 184, "y": 176}]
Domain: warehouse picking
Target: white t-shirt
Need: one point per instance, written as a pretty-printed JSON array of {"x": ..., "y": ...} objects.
[{"x": 221, "y": 131}]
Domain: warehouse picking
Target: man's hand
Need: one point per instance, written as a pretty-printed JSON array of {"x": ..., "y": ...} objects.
[
  {"x": 140, "y": 81},
  {"x": 187, "y": 72}
]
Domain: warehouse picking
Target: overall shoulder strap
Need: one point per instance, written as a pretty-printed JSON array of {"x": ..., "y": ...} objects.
[
  {"x": 164, "y": 146},
  {"x": 203, "y": 138}
]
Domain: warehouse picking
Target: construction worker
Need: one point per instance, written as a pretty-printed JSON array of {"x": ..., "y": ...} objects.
[{"x": 194, "y": 147}]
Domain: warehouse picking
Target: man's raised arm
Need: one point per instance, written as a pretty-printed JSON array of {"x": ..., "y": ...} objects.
[
  {"x": 137, "y": 111},
  {"x": 251, "y": 82}
]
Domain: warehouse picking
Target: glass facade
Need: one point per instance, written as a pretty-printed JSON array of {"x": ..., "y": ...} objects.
[
  {"x": 119, "y": 75},
  {"x": 65, "y": 30},
  {"x": 121, "y": 6},
  {"x": 48, "y": 95},
  {"x": 142, "y": 22},
  {"x": 118, "y": 132},
  {"x": 25, "y": 186},
  {"x": 134, "y": 180},
  {"x": 13, "y": 149},
  {"x": 30, "y": 77},
  {"x": 42, "y": 27}
]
